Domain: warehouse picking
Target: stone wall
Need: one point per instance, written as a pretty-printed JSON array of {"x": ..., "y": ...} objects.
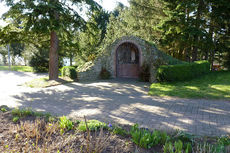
[{"x": 149, "y": 54}]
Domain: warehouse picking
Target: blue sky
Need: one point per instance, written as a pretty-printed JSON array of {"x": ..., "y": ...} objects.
[
  {"x": 107, "y": 4},
  {"x": 110, "y": 4}
]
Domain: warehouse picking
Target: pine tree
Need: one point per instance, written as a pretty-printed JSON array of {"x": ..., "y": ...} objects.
[
  {"x": 91, "y": 38},
  {"x": 45, "y": 17},
  {"x": 144, "y": 16}
]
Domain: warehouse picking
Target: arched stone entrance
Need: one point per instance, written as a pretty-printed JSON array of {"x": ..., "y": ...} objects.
[
  {"x": 124, "y": 58},
  {"x": 127, "y": 60}
]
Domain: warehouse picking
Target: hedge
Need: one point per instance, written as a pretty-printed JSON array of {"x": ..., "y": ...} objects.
[
  {"x": 69, "y": 71},
  {"x": 181, "y": 72}
]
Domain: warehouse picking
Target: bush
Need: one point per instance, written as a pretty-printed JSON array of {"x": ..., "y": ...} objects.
[
  {"x": 93, "y": 125},
  {"x": 40, "y": 61},
  {"x": 147, "y": 139},
  {"x": 119, "y": 131},
  {"x": 69, "y": 71},
  {"x": 22, "y": 112},
  {"x": 15, "y": 119},
  {"x": 181, "y": 72},
  {"x": 144, "y": 74},
  {"x": 4, "y": 108},
  {"x": 104, "y": 74},
  {"x": 227, "y": 60},
  {"x": 65, "y": 123}
]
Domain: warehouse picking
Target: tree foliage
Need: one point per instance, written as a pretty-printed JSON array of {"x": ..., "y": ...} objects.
[
  {"x": 40, "y": 61},
  {"x": 91, "y": 38},
  {"x": 50, "y": 18},
  {"x": 189, "y": 30},
  {"x": 3, "y": 52}
]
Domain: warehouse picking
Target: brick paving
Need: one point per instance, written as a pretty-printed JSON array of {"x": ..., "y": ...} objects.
[{"x": 120, "y": 102}]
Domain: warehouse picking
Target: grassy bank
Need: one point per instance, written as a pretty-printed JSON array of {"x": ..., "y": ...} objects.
[
  {"x": 18, "y": 68},
  {"x": 45, "y": 82},
  {"x": 215, "y": 85}
]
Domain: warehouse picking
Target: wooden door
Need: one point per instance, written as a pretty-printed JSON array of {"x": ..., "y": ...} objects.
[{"x": 127, "y": 61}]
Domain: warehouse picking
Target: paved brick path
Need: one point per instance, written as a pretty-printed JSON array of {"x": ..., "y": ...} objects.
[{"x": 119, "y": 101}]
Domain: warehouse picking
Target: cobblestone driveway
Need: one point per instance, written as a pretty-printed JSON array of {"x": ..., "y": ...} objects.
[{"x": 118, "y": 101}]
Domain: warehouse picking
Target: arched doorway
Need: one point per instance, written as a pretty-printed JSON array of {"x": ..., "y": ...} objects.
[{"x": 127, "y": 61}]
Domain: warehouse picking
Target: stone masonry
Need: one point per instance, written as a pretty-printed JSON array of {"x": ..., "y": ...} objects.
[{"x": 148, "y": 53}]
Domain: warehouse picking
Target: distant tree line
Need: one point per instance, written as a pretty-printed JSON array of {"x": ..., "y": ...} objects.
[{"x": 189, "y": 30}]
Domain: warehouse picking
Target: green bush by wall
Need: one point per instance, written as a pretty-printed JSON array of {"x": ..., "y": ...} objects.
[
  {"x": 69, "y": 71},
  {"x": 104, "y": 74},
  {"x": 181, "y": 72}
]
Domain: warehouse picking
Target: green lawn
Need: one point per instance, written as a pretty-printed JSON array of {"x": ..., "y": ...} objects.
[
  {"x": 215, "y": 85},
  {"x": 18, "y": 68}
]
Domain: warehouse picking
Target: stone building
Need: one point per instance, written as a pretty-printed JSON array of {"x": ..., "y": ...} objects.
[{"x": 125, "y": 58}]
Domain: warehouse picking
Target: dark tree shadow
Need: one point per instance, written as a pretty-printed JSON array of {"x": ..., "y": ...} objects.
[{"x": 127, "y": 102}]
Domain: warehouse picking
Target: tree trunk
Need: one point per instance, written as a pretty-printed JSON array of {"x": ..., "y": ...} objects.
[
  {"x": 180, "y": 57},
  {"x": 212, "y": 49},
  {"x": 196, "y": 37},
  {"x": 4, "y": 59},
  {"x": 25, "y": 62},
  {"x": 71, "y": 59},
  {"x": 53, "y": 56},
  {"x": 194, "y": 52},
  {"x": 13, "y": 60},
  {"x": 188, "y": 54},
  {"x": 206, "y": 55},
  {"x": 187, "y": 51}
]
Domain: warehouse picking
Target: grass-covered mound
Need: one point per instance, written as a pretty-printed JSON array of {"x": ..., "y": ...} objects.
[{"x": 215, "y": 85}]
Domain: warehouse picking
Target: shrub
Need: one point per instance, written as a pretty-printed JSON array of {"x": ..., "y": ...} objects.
[
  {"x": 119, "y": 131},
  {"x": 40, "y": 61},
  {"x": 22, "y": 112},
  {"x": 227, "y": 60},
  {"x": 181, "y": 72},
  {"x": 184, "y": 137},
  {"x": 224, "y": 140},
  {"x": 93, "y": 125},
  {"x": 65, "y": 123},
  {"x": 168, "y": 147},
  {"x": 69, "y": 71},
  {"x": 15, "y": 119},
  {"x": 147, "y": 139},
  {"x": 104, "y": 74},
  {"x": 144, "y": 74},
  {"x": 178, "y": 146},
  {"x": 3, "y": 109}
]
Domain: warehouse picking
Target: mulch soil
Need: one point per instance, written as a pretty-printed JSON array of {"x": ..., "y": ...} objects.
[{"x": 31, "y": 134}]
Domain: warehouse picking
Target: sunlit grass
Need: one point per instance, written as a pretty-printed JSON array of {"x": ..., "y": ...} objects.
[
  {"x": 17, "y": 68},
  {"x": 215, "y": 85},
  {"x": 45, "y": 82}
]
